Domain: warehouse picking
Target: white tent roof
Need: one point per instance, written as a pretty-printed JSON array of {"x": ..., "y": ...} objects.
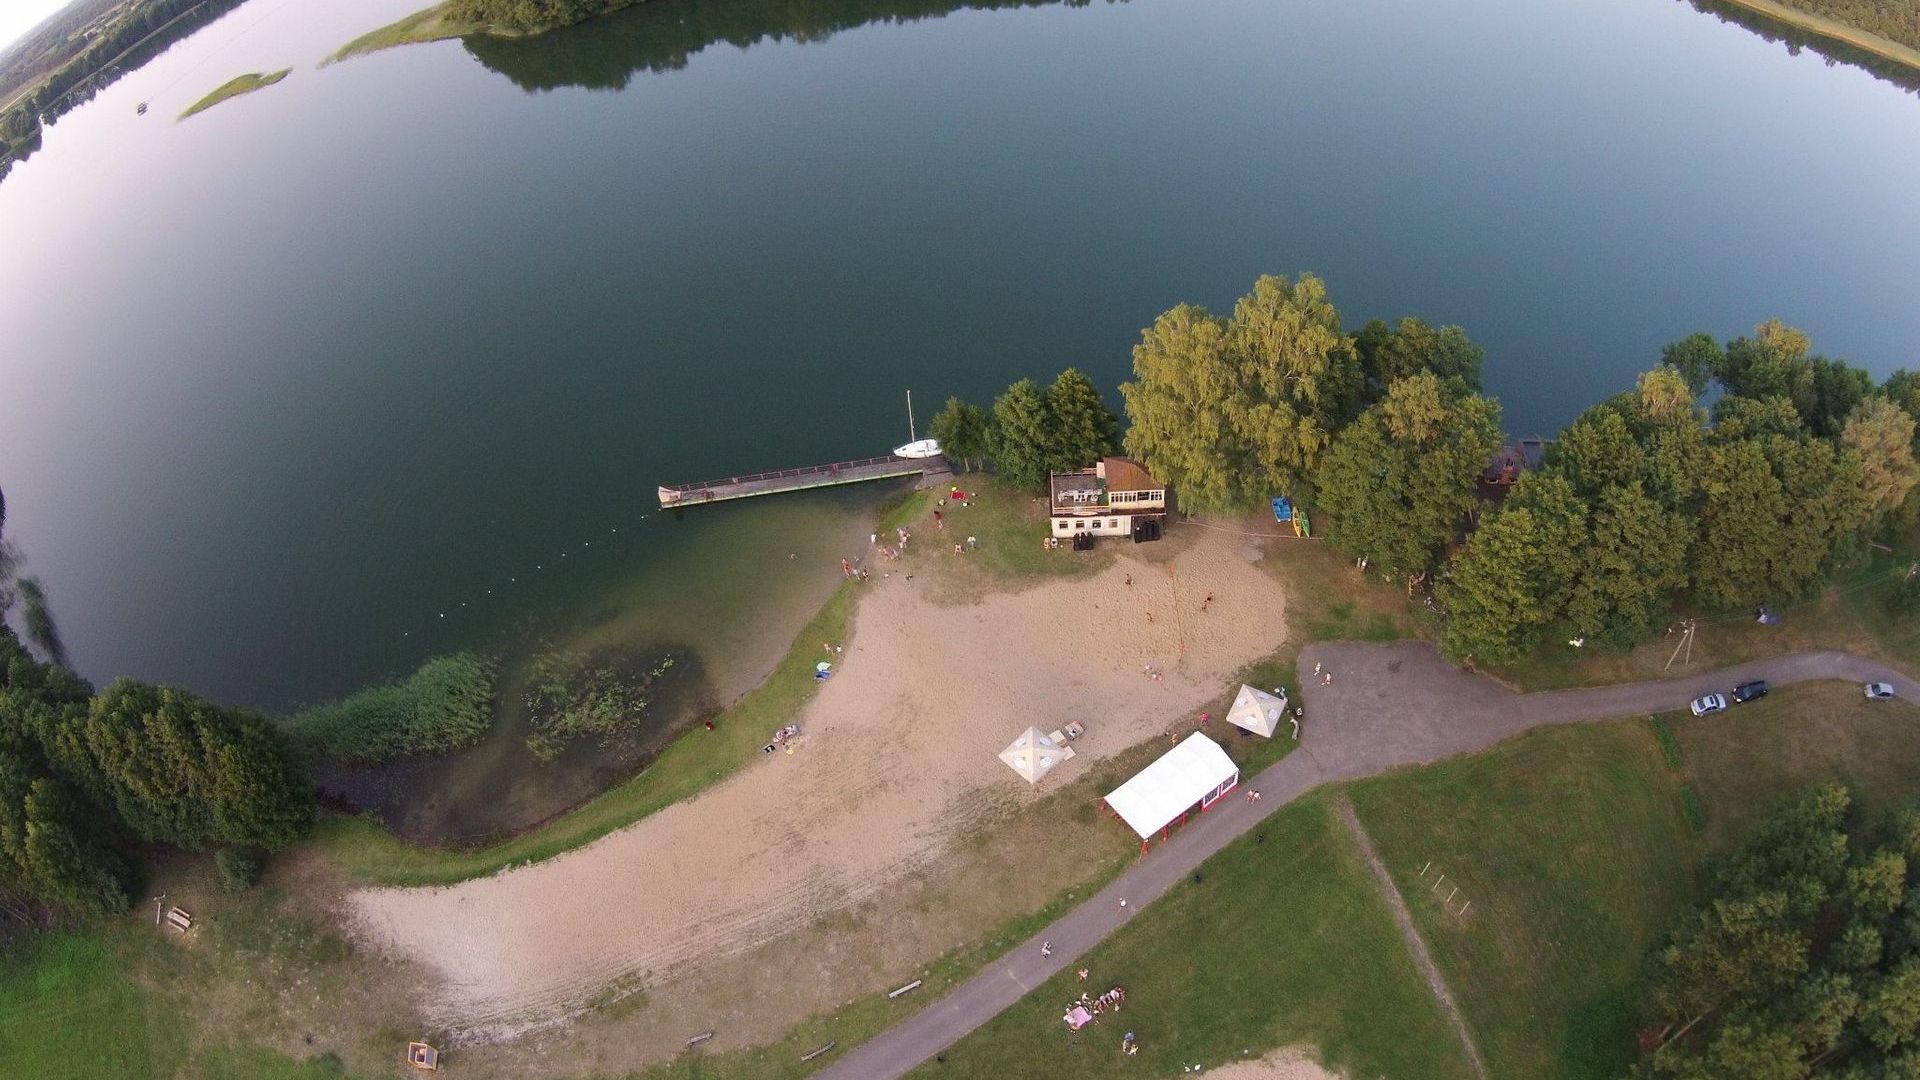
[
  {"x": 1170, "y": 786},
  {"x": 1257, "y": 711},
  {"x": 1034, "y": 755}
]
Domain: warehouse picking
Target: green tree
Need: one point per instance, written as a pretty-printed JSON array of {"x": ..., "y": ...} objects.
[
  {"x": 1890, "y": 1011},
  {"x": 1512, "y": 577},
  {"x": 1877, "y": 884},
  {"x": 1750, "y": 418},
  {"x": 1747, "y": 1049},
  {"x": 1776, "y": 509},
  {"x": 1635, "y": 559},
  {"x": 1022, "y": 435},
  {"x": 1180, "y": 408},
  {"x": 1598, "y": 451},
  {"x": 1400, "y": 480},
  {"x": 963, "y": 431},
  {"x": 1665, "y": 397},
  {"x": 1882, "y": 434},
  {"x": 180, "y": 770},
  {"x": 1412, "y": 346},
  {"x": 1081, "y": 428},
  {"x": 1771, "y": 363},
  {"x": 1695, "y": 358},
  {"x": 1231, "y": 412}
]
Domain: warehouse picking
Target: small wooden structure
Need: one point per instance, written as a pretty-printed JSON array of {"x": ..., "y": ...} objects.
[
  {"x": 423, "y": 1057},
  {"x": 179, "y": 919}
]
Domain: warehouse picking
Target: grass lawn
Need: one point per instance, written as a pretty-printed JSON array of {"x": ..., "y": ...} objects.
[
  {"x": 1284, "y": 940},
  {"x": 367, "y": 852},
  {"x": 234, "y": 87},
  {"x": 1011, "y": 527},
  {"x": 124, "y": 1000},
  {"x": 67, "y": 1009},
  {"x": 1753, "y": 759},
  {"x": 1572, "y": 846}
]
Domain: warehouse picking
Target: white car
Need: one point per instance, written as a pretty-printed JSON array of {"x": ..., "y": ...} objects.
[
  {"x": 1712, "y": 703},
  {"x": 1879, "y": 691}
]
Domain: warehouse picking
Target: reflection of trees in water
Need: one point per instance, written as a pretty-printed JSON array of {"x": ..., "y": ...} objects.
[
  {"x": 1796, "y": 38},
  {"x": 662, "y": 35}
]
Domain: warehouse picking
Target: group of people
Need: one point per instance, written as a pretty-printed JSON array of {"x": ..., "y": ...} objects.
[{"x": 781, "y": 738}]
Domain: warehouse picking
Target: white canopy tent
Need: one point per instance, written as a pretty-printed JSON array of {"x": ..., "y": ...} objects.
[
  {"x": 1257, "y": 711},
  {"x": 1034, "y": 755},
  {"x": 1196, "y": 771}
]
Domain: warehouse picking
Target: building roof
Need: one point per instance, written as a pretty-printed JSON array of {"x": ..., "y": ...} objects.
[
  {"x": 1170, "y": 786},
  {"x": 1126, "y": 474}
]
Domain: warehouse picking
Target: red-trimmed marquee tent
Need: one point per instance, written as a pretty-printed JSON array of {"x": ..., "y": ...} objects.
[{"x": 1194, "y": 774}]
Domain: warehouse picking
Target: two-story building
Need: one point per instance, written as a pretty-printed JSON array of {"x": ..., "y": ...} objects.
[{"x": 1117, "y": 497}]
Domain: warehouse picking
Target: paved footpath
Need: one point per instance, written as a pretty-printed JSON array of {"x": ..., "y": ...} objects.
[{"x": 1388, "y": 705}]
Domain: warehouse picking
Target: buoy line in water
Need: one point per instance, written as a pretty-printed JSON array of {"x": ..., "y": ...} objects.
[{"x": 514, "y": 579}]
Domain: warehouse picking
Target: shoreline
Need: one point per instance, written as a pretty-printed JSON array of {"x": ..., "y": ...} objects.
[{"x": 1833, "y": 30}]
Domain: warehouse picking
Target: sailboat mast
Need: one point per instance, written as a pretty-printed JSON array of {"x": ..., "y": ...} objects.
[{"x": 912, "y": 435}]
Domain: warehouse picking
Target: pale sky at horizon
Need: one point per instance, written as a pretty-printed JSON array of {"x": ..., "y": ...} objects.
[{"x": 19, "y": 16}]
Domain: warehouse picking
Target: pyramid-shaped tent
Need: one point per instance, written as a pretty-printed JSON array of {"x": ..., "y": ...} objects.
[
  {"x": 1034, "y": 755},
  {"x": 1257, "y": 711}
]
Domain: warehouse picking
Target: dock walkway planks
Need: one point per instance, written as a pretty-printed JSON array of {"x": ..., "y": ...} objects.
[{"x": 812, "y": 476}]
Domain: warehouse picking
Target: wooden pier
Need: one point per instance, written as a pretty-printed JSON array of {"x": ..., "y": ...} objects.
[{"x": 812, "y": 476}]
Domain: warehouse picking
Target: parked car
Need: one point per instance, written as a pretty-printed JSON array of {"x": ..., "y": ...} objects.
[
  {"x": 1747, "y": 691},
  {"x": 1712, "y": 703},
  {"x": 1879, "y": 691}
]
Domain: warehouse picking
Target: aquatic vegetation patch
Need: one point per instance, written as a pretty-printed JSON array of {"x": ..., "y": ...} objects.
[
  {"x": 445, "y": 705},
  {"x": 601, "y": 693},
  {"x": 243, "y": 84}
]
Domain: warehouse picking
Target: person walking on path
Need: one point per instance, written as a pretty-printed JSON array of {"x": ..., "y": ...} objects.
[{"x": 1046, "y": 949}]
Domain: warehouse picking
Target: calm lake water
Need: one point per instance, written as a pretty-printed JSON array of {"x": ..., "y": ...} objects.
[{"x": 286, "y": 385}]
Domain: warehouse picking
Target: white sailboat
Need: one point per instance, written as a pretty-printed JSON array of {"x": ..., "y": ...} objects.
[{"x": 916, "y": 447}]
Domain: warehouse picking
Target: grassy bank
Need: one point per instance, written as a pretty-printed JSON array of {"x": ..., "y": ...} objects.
[
  {"x": 421, "y": 26},
  {"x": 234, "y": 87},
  {"x": 1283, "y": 940},
  {"x": 367, "y": 852}
]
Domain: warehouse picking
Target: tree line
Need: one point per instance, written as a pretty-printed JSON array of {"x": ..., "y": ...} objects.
[
  {"x": 88, "y": 778},
  {"x": 1804, "y": 961},
  {"x": 1645, "y": 500},
  {"x": 1030, "y": 432}
]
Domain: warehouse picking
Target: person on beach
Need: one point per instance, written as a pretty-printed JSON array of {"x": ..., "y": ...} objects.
[
  {"x": 1208, "y": 602},
  {"x": 846, "y": 568},
  {"x": 938, "y": 521}
]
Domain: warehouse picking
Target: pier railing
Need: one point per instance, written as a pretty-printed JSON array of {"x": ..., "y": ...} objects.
[{"x": 783, "y": 474}]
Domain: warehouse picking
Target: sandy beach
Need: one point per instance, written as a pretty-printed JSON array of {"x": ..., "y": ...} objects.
[
  {"x": 897, "y": 759},
  {"x": 1289, "y": 1064}
]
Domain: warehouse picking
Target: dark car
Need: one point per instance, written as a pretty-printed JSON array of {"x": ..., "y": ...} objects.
[{"x": 1747, "y": 691}]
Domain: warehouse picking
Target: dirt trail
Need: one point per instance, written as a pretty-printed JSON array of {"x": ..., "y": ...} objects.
[
  {"x": 1415, "y": 944},
  {"x": 899, "y": 752}
]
